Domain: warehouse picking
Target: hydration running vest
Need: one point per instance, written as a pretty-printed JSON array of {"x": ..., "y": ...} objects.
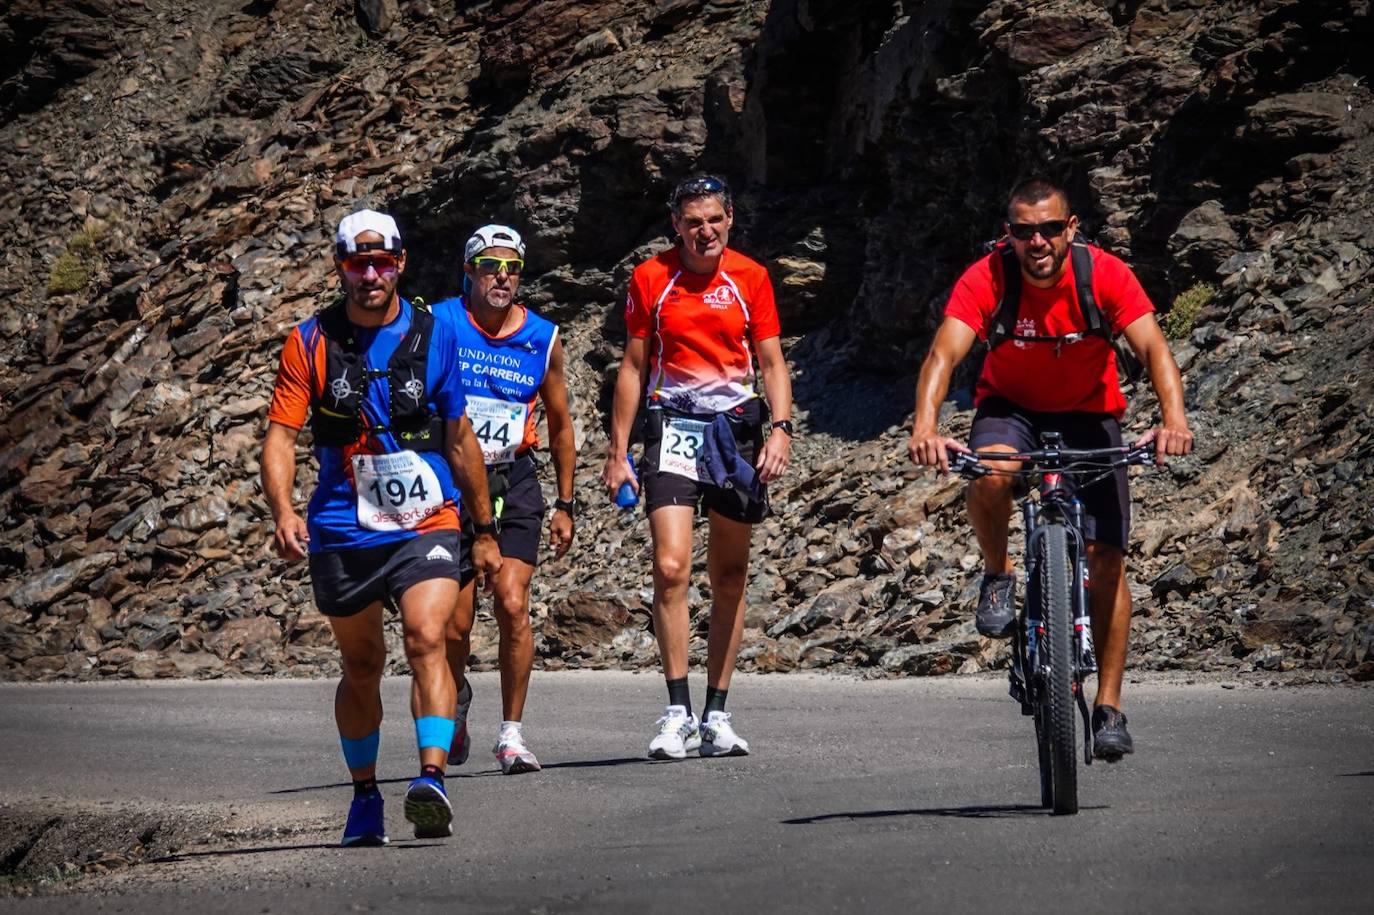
[{"x": 336, "y": 415}]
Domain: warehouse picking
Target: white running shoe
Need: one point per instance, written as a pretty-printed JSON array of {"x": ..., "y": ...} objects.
[
  {"x": 462, "y": 742},
  {"x": 677, "y": 734},
  {"x": 719, "y": 739},
  {"x": 515, "y": 758}
]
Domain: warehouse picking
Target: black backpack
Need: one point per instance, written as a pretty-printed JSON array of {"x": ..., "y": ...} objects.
[
  {"x": 1081, "y": 261},
  {"x": 1004, "y": 322}
]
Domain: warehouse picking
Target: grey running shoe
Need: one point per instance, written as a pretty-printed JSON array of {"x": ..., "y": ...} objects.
[
  {"x": 462, "y": 743},
  {"x": 1111, "y": 740},
  {"x": 996, "y": 615}
]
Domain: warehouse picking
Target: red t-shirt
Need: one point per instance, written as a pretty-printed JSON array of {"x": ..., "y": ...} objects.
[
  {"x": 1082, "y": 376},
  {"x": 703, "y": 327}
]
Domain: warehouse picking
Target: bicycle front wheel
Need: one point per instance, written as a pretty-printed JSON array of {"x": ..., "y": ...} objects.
[{"x": 1054, "y": 574}]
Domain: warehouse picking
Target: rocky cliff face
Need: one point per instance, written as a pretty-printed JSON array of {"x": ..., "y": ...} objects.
[{"x": 172, "y": 174}]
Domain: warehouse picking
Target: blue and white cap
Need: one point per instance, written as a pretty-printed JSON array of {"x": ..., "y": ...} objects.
[
  {"x": 492, "y": 236},
  {"x": 355, "y": 224}
]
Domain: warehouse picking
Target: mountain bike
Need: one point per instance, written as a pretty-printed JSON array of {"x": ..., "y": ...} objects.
[{"x": 1052, "y": 648}]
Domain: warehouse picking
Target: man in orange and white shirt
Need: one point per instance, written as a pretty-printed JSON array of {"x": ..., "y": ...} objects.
[{"x": 698, "y": 316}]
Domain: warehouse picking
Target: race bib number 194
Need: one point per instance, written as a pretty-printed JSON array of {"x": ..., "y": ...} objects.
[
  {"x": 680, "y": 450},
  {"x": 395, "y": 491}
]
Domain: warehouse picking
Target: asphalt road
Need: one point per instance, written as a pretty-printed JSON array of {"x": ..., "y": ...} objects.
[{"x": 861, "y": 795}]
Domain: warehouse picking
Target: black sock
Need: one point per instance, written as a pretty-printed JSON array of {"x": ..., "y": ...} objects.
[
  {"x": 434, "y": 772},
  {"x": 715, "y": 700},
  {"x": 678, "y": 694},
  {"x": 365, "y": 786}
]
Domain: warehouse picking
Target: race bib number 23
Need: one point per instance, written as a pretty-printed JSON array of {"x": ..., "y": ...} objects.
[
  {"x": 680, "y": 450},
  {"x": 395, "y": 491}
]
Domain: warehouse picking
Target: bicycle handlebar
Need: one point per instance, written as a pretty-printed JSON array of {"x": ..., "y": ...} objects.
[{"x": 969, "y": 464}]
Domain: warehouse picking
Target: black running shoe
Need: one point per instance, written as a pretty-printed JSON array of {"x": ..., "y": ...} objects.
[
  {"x": 1111, "y": 740},
  {"x": 996, "y": 614}
]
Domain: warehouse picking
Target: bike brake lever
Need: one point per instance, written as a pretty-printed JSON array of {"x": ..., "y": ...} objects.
[{"x": 967, "y": 467}]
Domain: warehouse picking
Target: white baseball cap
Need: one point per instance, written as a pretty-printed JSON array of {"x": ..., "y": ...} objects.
[
  {"x": 355, "y": 224},
  {"x": 493, "y": 236}
]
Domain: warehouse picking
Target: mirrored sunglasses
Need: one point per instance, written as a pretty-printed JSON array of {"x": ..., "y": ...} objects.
[
  {"x": 488, "y": 266},
  {"x": 359, "y": 264},
  {"x": 698, "y": 187}
]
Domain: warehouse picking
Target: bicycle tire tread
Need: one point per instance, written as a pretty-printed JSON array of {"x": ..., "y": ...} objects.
[{"x": 1055, "y": 589}]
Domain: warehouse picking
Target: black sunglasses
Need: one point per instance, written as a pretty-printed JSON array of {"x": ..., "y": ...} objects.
[{"x": 1025, "y": 231}]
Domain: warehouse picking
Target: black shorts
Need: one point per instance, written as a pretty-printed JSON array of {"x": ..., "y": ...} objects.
[
  {"x": 1106, "y": 503},
  {"x": 347, "y": 581},
  {"x": 659, "y": 489},
  {"x": 518, "y": 506}
]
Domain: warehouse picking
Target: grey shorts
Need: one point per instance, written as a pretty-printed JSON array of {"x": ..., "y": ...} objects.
[
  {"x": 1106, "y": 503},
  {"x": 347, "y": 581}
]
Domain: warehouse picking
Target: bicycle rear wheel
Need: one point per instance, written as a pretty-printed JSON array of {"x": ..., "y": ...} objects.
[{"x": 1054, "y": 573}]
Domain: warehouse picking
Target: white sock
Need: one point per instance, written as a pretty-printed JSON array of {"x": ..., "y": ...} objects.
[{"x": 510, "y": 727}]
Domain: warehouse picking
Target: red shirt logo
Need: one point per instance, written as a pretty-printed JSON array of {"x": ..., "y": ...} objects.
[{"x": 720, "y": 297}]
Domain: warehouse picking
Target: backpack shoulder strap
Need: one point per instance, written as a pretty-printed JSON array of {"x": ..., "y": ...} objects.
[
  {"x": 1004, "y": 320},
  {"x": 334, "y": 325},
  {"x": 1082, "y": 261}
]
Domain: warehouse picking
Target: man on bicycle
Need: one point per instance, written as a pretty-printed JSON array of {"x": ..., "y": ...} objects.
[{"x": 1051, "y": 366}]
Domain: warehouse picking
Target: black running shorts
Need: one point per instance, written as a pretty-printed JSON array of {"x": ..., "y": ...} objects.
[
  {"x": 1106, "y": 503},
  {"x": 519, "y": 510},
  {"x": 347, "y": 581},
  {"x": 658, "y": 489}
]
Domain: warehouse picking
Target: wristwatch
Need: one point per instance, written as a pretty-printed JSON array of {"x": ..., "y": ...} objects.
[
  {"x": 785, "y": 425},
  {"x": 489, "y": 528},
  {"x": 567, "y": 505}
]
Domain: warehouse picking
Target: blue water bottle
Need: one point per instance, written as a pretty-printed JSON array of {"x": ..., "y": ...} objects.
[{"x": 626, "y": 497}]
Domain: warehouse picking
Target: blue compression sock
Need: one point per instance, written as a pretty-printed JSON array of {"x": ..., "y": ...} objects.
[
  {"x": 361, "y": 753},
  {"x": 434, "y": 731}
]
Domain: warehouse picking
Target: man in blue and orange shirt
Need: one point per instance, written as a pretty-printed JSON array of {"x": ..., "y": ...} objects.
[{"x": 377, "y": 380}]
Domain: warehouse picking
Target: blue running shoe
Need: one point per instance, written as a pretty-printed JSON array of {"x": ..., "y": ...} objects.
[
  {"x": 428, "y": 808},
  {"x": 366, "y": 825}
]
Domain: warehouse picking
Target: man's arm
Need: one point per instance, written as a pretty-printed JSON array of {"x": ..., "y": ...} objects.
[
  {"x": 952, "y": 343},
  {"x": 562, "y": 445},
  {"x": 1171, "y": 436},
  {"x": 777, "y": 384},
  {"x": 291, "y": 536},
  {"x": 628, "y": 385},
  {"x": 464, "y": 458}
]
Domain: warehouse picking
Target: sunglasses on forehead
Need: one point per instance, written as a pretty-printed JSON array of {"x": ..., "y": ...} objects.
[
  {"x": 699, "y": 187},
  {"x": 489, "y": 266},
  {"x": 1025, "y": 231},
  {"x": 358, "y": 264}
]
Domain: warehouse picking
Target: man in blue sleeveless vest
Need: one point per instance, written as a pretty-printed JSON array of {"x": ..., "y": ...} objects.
[
  {"x": 509, "y": 358},
  {"x": 377, "y": 380}
]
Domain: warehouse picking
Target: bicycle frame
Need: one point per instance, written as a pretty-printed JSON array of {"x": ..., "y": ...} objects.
[
  {"x": 1056, "y": 504},
  {"x": 1034, "y": 681}
]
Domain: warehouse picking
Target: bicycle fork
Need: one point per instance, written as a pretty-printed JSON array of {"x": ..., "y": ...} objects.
[{"x": 1086, "y": 658}]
